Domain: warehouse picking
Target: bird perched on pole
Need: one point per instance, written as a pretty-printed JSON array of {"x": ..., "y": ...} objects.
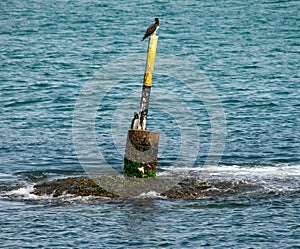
[{"x": 152, "y": 29}]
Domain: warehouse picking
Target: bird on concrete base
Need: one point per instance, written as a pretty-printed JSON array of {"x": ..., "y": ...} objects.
[{"x": 135, "y": 121}]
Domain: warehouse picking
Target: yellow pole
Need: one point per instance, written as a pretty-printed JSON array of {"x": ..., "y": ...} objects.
[
  {"x": 150, "y": 60},
  {"x": 147, "y": 82}
]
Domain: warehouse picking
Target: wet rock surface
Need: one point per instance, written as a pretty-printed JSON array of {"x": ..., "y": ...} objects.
[
  {"x": 186, "y": 189},
  {"x": 194, "y": 189},
  {"x": 79, "y": 186}
]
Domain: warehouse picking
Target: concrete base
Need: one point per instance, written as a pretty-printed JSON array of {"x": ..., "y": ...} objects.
[{"x": 140, "y": 158}]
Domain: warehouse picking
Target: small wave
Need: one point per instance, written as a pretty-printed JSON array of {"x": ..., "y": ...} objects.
[
  {"x": 258, "y": 172},
  {"x": 152, "y": 194},
  {"x": 23, "y": 192},
  {"x": 5, "y": 177}
]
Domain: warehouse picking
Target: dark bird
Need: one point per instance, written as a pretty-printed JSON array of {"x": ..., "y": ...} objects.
[
  {"x": 152, "y": 29},
  {"x": 135, "y": 121}
]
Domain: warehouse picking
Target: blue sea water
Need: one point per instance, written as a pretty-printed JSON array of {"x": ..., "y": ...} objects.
[{"x": 248, "y": 51}]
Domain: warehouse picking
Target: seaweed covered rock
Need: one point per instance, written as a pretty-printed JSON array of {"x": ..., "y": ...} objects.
[
  {"x": 79, "y": 186},
  {"x": 116, "y": 187}
]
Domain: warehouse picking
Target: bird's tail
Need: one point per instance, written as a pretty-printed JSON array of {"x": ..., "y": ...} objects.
[{"x": 145, "y": 36}]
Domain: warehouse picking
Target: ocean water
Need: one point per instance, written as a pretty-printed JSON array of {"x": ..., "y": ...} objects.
[{"x": 225, "y": 99}]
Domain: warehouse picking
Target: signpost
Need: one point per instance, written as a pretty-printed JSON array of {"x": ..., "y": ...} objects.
[{"x": 140, "y": 158}]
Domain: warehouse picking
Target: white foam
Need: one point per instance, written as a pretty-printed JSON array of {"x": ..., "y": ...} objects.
[{"x": 235, "y": 170}]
